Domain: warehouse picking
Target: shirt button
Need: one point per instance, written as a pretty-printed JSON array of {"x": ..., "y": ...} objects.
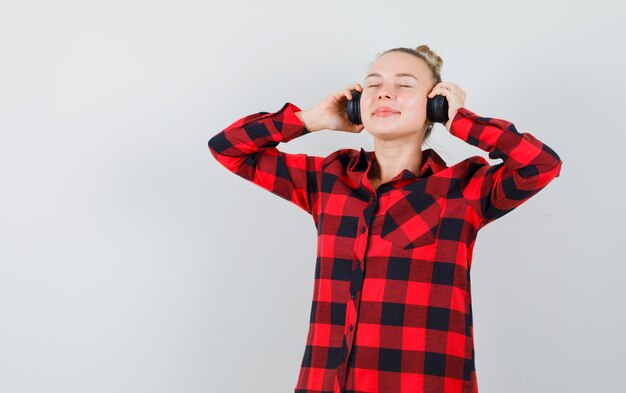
[
  {"x": 358, "y": 262},
  {"x": 350, "y": 329},
  {"x": 353, "y": 296},
  {"x": 362, "y": 229}
]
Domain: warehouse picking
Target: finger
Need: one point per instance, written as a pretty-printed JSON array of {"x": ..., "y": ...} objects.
[
  {"x": 455, "y": 88},
  {"x": 439, "y": 91},
  {"x": 343, "y": 93},
  {"x": 435, "y": 90},
  {"x": 446, "y": 85},
  {"x": 352, "y": 87},
  {"x": 443, "y": 92}
]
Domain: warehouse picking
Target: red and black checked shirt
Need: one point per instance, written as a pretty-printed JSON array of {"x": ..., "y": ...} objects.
[{"x": 391, "y": 308}]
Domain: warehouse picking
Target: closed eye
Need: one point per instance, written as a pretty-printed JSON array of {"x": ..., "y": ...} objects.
[{"x": 398, "y": 85}]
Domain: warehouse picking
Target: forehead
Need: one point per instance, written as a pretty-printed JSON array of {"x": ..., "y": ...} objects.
[{"x": 393, "y": 63}]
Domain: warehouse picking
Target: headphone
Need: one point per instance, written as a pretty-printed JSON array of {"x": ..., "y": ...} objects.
[{"x": 436, "y": 108}]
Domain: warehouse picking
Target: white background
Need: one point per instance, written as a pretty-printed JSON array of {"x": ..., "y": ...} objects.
[{"x": 132, "y": 261}]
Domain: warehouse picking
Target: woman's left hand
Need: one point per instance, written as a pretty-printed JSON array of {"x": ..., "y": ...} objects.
[{"x": 455, "y": 96}]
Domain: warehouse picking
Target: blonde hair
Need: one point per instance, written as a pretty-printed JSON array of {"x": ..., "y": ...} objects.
[{"x": 434, "y": 62}]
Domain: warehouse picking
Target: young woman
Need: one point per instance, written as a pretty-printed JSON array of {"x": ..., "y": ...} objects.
[{"x": 391, "y": 308}]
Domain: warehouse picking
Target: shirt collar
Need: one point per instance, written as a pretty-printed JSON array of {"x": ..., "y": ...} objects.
[{"x": 361, "y": 163}]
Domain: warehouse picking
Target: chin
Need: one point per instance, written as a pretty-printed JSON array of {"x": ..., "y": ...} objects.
[
  {"x": 391, "y": 132},
  {"x": 383, "y": 127}
]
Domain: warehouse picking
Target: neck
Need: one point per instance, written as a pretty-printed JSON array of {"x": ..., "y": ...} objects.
[{"x": 394, "y": 156}]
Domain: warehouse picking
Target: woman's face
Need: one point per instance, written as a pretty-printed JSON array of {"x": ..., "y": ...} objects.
[{"x": 402, "y": 82}]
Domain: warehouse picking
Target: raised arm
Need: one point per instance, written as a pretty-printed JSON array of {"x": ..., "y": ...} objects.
[
  {"x": 528, "y": 164},
  {"x": 247, "y": 148}
]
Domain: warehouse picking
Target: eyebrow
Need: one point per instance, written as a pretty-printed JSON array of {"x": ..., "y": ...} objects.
[{"x": 398, "y": 74}]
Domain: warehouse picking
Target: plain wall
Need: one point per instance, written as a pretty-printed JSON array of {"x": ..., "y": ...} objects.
[{"x": 132, "y": 261}]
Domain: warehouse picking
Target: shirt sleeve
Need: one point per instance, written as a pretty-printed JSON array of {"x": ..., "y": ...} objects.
[
  {"x": 528, "y": 164},
  {"x": 247, "y": 148}
]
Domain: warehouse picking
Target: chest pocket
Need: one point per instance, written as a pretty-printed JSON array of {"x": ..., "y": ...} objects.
[{"x": 413, "y": 221}]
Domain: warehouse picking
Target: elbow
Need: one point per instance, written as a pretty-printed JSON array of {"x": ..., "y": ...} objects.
[
  {"x": 226, "y": 154},
  {"x": 541, "y": 171},
  {"x": 218, "y": 144},
  {"x": 557, "y": 169},
  {"x": 555, "y": 162}
]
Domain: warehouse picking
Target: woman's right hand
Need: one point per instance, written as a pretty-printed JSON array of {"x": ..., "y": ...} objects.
[{"x": 332, "y": 113}]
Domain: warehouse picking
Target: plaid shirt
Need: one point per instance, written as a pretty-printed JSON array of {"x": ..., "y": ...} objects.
[{"x": 391, "y": 308}]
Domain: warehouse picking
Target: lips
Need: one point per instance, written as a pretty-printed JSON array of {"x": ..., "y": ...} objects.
[{"x": 386, "y": 111}]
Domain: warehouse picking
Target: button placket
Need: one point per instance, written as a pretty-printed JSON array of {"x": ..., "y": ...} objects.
[
  {"x": 360, "y": 246},
  {"x": 356, "y": 283}
]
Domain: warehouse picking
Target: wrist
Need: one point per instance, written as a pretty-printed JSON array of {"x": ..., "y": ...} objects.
[{"x": 308, "y": 120}]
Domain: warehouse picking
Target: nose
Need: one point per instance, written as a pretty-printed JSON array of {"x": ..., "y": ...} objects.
[{"x": 385, "y": 92}]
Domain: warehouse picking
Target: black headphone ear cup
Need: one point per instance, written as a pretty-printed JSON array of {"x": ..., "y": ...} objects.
[
  {"x": 354, "y": 108},
  {"x": 437, "y": 109}
]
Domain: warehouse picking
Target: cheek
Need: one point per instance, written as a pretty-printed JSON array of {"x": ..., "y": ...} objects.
[
  {"x": 367, "y": 103},
  {"x": 367, "y": 98},
  {"x": 416, "y": 106}
]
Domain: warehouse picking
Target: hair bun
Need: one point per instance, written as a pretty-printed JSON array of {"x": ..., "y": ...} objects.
[{"x": 433, "y": 60}]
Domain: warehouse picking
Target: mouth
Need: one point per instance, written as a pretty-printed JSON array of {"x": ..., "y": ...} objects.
[{"x": 385, "y": 112}]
